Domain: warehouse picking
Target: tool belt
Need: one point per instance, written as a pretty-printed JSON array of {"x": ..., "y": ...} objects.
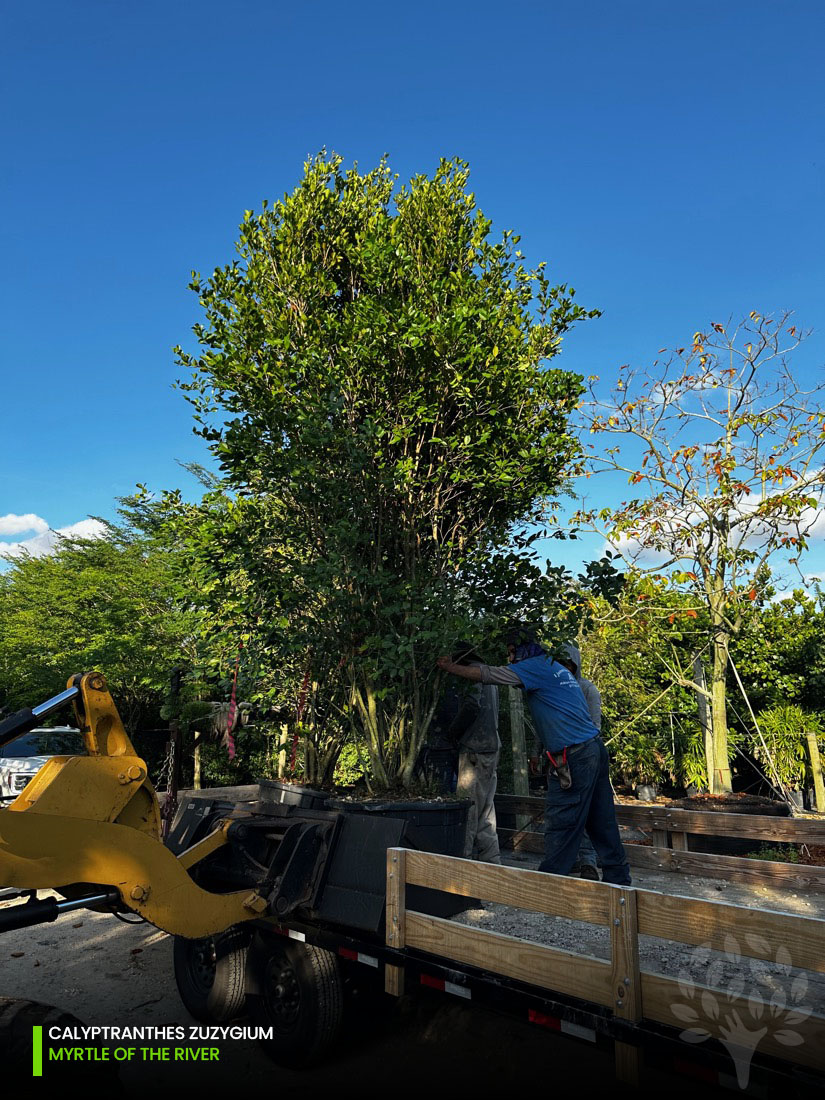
[{"x": 560, "y": 768}]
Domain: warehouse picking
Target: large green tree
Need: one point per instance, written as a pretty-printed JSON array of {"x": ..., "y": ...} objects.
[{"x": 375, "y": 380}]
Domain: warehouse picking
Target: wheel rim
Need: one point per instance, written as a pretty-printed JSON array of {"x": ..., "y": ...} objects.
[
  {"x": 202, "y": 964},
  {"x": 282, "y": 995}
]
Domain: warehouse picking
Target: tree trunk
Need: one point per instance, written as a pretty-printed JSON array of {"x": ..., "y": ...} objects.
[
  {"x": 282, "y": 751},
  {"x": 721, "y": 779},
  {"x": 196, "y": 782},
  {"x": 704, "y": 717},
  {"x": 521, "y": 777},
  {"x": 816, "y": 771}
]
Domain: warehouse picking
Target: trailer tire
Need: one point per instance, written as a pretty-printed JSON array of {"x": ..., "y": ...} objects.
[
  {"x": 17, "y": 1018},
  {"x": 211, "y": 974},
  {"x": 296, "y": 990}
]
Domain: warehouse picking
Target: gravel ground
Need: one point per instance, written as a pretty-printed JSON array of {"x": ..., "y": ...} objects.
[{"x": 665, "y": 956}]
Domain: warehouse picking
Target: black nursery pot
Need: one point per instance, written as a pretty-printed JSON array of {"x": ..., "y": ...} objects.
[
  {"x": 438, "y": 827},
  {"x": 431, "y": 826},
  {"x": 291, "y": 794}
]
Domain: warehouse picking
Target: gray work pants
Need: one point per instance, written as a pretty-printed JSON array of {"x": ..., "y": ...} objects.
[{"x": 477, "y": 781}]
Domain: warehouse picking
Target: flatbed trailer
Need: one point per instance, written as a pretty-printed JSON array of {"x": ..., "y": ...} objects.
[{"x": 272, "y": 905}]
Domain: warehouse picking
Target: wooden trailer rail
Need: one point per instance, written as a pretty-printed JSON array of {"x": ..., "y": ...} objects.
[
  {"x": 790, "y": 1032},
  {"x": 670, "y": 852}
]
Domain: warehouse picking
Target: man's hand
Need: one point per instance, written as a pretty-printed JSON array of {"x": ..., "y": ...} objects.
[{"x": 466, "y": 672}]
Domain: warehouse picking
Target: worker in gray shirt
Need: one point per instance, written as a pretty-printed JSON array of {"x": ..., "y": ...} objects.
[{"x": 475, "y": 731}]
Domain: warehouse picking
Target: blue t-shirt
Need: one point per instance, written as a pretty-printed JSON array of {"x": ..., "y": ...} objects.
[{"x": 556, "y": 703}]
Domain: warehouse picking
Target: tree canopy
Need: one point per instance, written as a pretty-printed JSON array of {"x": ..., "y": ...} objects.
[
  {"x": 375, "y": 381},
  {"x": 111, "y": 604}
]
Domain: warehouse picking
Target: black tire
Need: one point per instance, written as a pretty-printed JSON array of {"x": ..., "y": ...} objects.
[
  {"x": 211, "y": 974},
  {"x": 295, "y": 989},
  {"x": 17, "y": 1018}
]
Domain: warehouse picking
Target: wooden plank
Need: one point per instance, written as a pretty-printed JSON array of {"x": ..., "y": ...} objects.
[
  {"x": 788, "y": 830},
  {"x": 641, "y": 816},
  {"x": 521, "y": 841},
  {"x": 396, "y": 916},
  {"x": 531, "y": 805},
  {"x": 663, "y": 1000},
  {"x": 695, "y": 921},
  {"x": 560, "y": 971},
  {"x": 660, "y": 838},
  {"x": 627, "y": 989},
  {"x": 754, "y": 872},
  {"x": 555, "y": 895},
  {"x": 679, "y": 842}
]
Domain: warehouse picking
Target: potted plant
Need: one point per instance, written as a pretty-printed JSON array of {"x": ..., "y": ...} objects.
[{"x": 780, "y": 746}]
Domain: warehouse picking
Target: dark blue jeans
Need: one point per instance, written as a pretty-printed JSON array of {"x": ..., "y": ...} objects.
[{"x": 588, "y": 804}]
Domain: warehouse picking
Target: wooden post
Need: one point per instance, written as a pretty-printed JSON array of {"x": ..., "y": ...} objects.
[
  {"x": 816, "y": 770},
  {"x": 660, "y": 838},
  {"x": 705, "y": 720},
  {"x": 396, "y": 913},
  {"x": 521, "y": 780},
  {"x": 627, "y": 985},
  {"x": 679, "y": 842}
]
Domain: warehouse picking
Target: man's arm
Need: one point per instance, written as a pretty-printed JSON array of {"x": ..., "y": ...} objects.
[
  {"x": 466, "y": 672},
  {"x": 593, "y": 698},
  {"x": 502, "y": 675}
]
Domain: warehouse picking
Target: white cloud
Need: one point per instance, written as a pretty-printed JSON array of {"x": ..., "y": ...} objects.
[
  {"x": 45, "y": 540},
  {"x": 750, "y": 535},
  {"x": 12, "y": 524}
]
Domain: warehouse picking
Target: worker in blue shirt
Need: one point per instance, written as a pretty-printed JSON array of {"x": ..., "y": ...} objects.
[{"x": 579, "y": 794}]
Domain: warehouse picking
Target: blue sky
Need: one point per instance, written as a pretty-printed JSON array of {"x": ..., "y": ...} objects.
[{"x": 666, "y": 159}]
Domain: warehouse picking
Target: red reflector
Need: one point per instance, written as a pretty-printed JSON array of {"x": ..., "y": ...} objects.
[
  {"x": 345, "y": 953},
  {"x": 701, "y": 1073},
  {"x": 434, "y": 983},
  {"x": 542, "y": 1020}
]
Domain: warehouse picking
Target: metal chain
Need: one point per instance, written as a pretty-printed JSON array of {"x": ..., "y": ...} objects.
[
  {"x": 169, "y": 804},
  {"x": 166, "y": 769}
]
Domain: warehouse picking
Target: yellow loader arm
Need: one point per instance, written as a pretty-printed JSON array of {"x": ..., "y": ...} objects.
[{"x": 95, "y": 820}]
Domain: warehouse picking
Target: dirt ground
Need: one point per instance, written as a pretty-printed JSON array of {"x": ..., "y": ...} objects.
[{"x": 107, "y": 972}]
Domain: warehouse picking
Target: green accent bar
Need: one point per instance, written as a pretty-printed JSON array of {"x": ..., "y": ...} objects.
[{"x": 37, "y": 1051}]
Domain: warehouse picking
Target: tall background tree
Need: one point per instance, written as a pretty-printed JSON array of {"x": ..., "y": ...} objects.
[
  {"x": 375, "y": 381},
  {"x": 725, "y": 446}
]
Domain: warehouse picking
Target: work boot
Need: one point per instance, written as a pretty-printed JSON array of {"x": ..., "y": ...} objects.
[{"x": 588, "y": 871}]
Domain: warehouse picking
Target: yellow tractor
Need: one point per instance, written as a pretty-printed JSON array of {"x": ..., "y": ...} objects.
[{"x": 236, "y": 866}]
